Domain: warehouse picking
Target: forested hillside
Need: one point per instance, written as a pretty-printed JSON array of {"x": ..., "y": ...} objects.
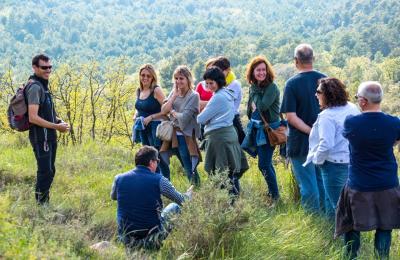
[{"x": 189, "y": 31}]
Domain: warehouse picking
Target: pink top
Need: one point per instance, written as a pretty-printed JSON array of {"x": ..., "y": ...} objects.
[{"x": 205, "y": 94}]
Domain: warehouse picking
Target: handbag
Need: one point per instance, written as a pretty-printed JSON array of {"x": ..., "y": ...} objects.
[
  {"x": 164, "y": 130},
  {"x": 275, "y": 136}
]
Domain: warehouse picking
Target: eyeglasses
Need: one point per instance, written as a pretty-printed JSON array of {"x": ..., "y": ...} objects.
[{"x": 45, "y": 67}]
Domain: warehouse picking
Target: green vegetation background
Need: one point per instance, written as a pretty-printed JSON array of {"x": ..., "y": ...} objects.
[{"x": 97, "y": 47}]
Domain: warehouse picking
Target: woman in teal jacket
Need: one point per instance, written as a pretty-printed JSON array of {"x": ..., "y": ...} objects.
[{"x": 263, "y": 100}]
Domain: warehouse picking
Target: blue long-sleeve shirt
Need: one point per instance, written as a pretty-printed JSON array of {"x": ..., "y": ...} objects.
[{"x": 219, "y": 111}]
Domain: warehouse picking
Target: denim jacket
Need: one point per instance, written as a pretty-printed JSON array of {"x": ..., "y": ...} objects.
[{"x": 255, "y": 136}]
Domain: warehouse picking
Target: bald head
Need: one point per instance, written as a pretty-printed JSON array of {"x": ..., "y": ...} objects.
[
  {"x": 371, "y": 91},
  {"x": 304, "y": 54}
]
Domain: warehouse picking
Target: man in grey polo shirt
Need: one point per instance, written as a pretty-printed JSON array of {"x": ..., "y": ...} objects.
[{"x": 44, "y": 123}]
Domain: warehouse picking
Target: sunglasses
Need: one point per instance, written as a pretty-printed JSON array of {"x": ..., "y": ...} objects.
[
  {"x": 145, "y": 76},
  {"x": 45, "y": 67}
]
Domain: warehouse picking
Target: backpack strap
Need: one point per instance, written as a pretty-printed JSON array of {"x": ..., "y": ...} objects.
[{"x": 29, "y": 84}]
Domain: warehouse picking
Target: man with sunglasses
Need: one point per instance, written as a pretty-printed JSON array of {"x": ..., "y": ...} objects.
[
  {"x": 142, "y": 221},
  {"x": 44, "y": 124}
]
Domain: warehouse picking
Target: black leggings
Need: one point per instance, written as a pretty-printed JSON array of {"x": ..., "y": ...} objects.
[{"x": 237, "y": 123}]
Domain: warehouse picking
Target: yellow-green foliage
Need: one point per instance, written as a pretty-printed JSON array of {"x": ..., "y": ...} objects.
[{"x": 81, "y": 213}]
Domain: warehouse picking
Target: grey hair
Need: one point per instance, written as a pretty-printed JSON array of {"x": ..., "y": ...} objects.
[
  {"x": 371, "y": 91},
  {"x": 304, "y": 53}
]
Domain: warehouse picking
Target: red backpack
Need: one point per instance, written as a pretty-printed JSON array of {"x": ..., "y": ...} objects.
[{"x": 17, "y": 112}]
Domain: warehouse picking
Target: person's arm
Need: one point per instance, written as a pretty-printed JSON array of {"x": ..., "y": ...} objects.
[
  {"x": 203, "y": 104},
  {"x": 167, "y": 107},
  {"x": 347, "y": 127},
  {"x": 35, "y": 119},
  {"x": 297, "y": 123},
  {"x": 135, "y": 115},
  {"x": 269, "y": 97},
  {"x": 159, "y": 95},
  {"x": 289, "y": 104},
  {"x": 190, "y": 109},
  {"x": 33, "y": 96},
  {"x": 113, "y": 193},
  {"x": 326, "y": 133},
  {"x": 169, "y": 191},
  {"x": 210, "y": 110}
]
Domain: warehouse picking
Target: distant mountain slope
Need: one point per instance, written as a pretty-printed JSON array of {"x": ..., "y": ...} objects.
[{"x": 192, "y": 30}]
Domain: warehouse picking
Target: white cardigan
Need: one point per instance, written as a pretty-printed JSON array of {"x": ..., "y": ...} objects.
[{"x": 326, "y": 141}]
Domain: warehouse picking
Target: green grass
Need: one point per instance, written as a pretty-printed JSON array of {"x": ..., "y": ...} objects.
[{"x": 81, "y": 213}]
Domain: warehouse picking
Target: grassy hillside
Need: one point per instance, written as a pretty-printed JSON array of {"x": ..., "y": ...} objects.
[{"x": 81, "y": 213}]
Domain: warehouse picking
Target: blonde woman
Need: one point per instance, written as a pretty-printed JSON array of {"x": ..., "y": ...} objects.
[
  {"x": 149, "y": 98},
  {"x": 182, "y": 106}
]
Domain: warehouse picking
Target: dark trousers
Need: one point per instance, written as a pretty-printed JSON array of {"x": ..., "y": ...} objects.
[
  {"x": 237, "y": 123},
  {"x": 45, "y": 158},
  {"x": 383, "y": 239}
]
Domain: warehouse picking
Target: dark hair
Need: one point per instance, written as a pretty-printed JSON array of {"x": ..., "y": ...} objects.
[
  {"x": 216, "y": 74},
  {"x": 43, "y": 57},
  {"x": 334, "y": 92},
  {"x": 222, "y": 63},
  {"x": 145, "y": 155},
  {"x": 251, "y": 67}
]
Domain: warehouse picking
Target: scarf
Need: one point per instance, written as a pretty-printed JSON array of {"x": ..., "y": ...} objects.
[{"x": 230, "y": 78}]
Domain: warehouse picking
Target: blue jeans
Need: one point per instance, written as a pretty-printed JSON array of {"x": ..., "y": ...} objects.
[
  {"x": 189, "y": 164},
  {"x": 334, "y": 177},
  {"x": 266, "y": 167},
  {"x": 167, "y": 213},
  {"x": 310, "y": 183},
  {"x": 383, "y": 240},
  {"x": 148, "y": 137}
]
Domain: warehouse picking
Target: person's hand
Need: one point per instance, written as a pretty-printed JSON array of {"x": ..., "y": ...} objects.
[
  {"x": 147, "y": 120},
  {"x": 173, "y": 113},
  {"x": 174, "y": 94},
  {"x": 62, "y": 127},
  {"x": 253, "y": 106},
  {"x": 189, "y": 192}
]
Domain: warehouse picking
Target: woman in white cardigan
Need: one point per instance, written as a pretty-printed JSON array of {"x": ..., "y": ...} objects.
[{"x": 328, "y": 149}]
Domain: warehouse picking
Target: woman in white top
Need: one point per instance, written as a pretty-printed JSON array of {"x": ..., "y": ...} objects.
[{"x": 328, "y": 149}]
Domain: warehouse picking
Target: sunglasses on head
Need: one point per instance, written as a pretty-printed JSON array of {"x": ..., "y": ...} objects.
[{"x": 45, "y": 67}]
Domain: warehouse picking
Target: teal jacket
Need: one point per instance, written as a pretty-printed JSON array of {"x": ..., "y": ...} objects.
[{"x": 266, "y": 100}]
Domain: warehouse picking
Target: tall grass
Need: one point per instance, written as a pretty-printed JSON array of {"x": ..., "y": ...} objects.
[{"x": 81, "y": 213}]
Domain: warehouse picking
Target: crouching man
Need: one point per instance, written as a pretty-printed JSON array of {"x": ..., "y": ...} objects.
[{"x": 142, "y": 221}]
